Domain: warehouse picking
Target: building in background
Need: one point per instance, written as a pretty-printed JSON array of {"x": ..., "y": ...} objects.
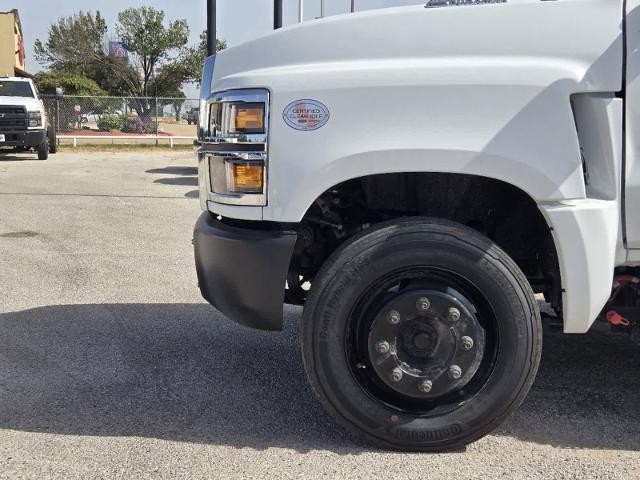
[{"x": 12, "y": 56}]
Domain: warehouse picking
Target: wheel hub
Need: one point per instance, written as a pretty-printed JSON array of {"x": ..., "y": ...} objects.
[
  {"x": 418, "y": 338},
  {"x": 426, "y": 343}
]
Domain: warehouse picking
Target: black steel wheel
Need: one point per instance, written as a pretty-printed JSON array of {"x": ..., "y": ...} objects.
[{"x": 421, "y": 334}]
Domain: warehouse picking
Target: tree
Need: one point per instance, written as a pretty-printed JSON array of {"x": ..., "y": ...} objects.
[
  {"x": 71, "y": 83},
  {"x": 117, "y": 76},
  {"x": 143, "y": 31},
  {"x": 194, "y": 58},
  {"x": 158, "y": 65},
  {"x": 178, "y": 103},
  {"x": 74, "y": 43},
  {"x": 66, "y": 117}
]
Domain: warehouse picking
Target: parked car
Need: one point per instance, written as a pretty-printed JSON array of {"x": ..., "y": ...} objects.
[{"x": 193, "y": 116}]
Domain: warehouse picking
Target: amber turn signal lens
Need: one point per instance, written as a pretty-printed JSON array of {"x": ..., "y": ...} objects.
[
  {"x": 248, "y": 178},
  {"x": 250, "y": 119}
]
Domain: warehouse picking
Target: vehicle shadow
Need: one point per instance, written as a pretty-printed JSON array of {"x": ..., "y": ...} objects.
[
  {"x": 15, "y": 157},
  {"x": 172, "y": 371},
  {"x": 184, "y": 176},
  {"x": 182, "y": 372},
  {"x": 186, "y": 171},
  {"x": 189, "y": 181}
]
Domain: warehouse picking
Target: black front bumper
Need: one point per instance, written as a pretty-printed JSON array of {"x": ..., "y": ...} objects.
[
  {"x": 23, "y": 138},
  {"x": 242, "y": 272}
]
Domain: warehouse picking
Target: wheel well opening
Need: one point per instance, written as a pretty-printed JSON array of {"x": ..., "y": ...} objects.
[{"x": 500, "y": 211}]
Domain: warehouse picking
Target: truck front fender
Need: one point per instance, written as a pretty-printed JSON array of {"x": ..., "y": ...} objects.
[{"x": 586, "y": 233}]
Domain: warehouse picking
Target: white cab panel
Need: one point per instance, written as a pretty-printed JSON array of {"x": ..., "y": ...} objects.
[
  {"x": 481, "y": 90},
  {"x": 632, "y": 188}
]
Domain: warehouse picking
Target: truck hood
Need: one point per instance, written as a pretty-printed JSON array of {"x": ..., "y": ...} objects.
[
  {"x": 32, "y": 104},
  {"x": 570, "y": 31}
]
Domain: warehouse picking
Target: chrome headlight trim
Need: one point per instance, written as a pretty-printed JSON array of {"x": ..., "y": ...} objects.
[
  {"x": 216, "y": 147},
  {"x": 213, "y": 134},
  {"x": 216, "y": 162}
]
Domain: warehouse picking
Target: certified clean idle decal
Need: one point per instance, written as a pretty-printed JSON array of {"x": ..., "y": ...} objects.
[{"x": 306, "y": 115}]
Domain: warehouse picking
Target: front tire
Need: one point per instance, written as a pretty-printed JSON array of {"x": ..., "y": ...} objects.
[
  {"x": 53, "y": 139},
  {"x": 43, "y": 150},
  {"x": 421, "y": 335}
]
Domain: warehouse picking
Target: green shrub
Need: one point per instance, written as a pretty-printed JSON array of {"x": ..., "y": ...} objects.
[
  {"x": 139, "y": 125},
  {"x": 111, "y": 122},
  {"x": 71, "y": 83}
]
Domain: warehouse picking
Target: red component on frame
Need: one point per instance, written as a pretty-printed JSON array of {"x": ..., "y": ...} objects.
[
  {"x": 620, "y": 282},
  {"x": 616, "y": 319},
  {"x": 625, "y": 279}
]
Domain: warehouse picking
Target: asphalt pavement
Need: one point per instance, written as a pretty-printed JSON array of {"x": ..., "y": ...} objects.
[{"x": 112, "y": 366}]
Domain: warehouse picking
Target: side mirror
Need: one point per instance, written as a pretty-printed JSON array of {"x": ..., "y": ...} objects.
[{"x": 59, "y": 93}]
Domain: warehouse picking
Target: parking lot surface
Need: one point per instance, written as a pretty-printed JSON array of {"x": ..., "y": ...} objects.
[{"x": 112, "y": 366}]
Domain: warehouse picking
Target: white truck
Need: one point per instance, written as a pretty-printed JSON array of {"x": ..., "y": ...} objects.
[
  {"x": 415, "y": 176},
  {"x": 23, "y": 120}
]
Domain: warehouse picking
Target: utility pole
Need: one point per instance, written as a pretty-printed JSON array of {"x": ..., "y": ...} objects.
[
  {"x": 211, "y": 27},
  {"x": 322, "y": 8},
  {"x": 277, "y": 14},
  {"x": 156, "y": 101},
  {"x": 353, "y": 6},
  {"x": 300, "y": 11}
]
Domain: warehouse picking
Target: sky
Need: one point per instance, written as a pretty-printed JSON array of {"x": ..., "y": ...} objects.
[{"x": 238, "y": 20}]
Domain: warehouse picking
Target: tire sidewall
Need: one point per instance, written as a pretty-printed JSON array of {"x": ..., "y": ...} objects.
[
  {"x": 43, "y": 151},
  {"x": 52, "y": 140},
  {"x": 348, "y": 275}
]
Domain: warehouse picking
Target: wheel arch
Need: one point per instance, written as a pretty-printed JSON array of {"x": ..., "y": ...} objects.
[
  {"x": 524, "y": 175},
  {"x": 502, "y": 211}
]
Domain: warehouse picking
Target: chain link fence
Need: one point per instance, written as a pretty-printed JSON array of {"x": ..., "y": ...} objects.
[{"x": 123, "y": 120}]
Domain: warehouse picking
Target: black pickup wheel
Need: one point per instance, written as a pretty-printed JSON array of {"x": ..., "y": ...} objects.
[
  {"x": 53, "y": 139},
  {"x": 421, "y": 334},
  {"x": 43, "y": 150}
]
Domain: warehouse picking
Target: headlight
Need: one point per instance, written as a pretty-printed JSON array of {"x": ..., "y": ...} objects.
[
  {"x": 237, "y": 178},
  {"x": 234, "y": 119},
  {"x": 35, "y": 119},
  {"x": 245, "y": 176},
  {"x": 234, "y": 148},
  {"x": 247, "y": 118},
  {"x": 239, "y": 116}
]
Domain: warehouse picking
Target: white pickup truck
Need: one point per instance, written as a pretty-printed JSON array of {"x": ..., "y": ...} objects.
[
  {"x": 415, "y": 176},
  {"x": 23, "y": 120}
]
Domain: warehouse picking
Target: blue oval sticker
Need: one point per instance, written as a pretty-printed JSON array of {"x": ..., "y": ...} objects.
[{"x": 306, "y": 115}]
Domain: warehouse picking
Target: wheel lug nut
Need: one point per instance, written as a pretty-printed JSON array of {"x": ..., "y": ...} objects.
[
  {"x": 425, "y": 386},
  {"x": 396, "y": 375},
  {"x": 382, "y": 347},
  {"x": 467, "y": 343},
  {"x": 423, "y": 304},
  {"x": 455, "y": 372},
  {"x": 454, "y": 314},
  {"x": 394, "y": 317}
]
